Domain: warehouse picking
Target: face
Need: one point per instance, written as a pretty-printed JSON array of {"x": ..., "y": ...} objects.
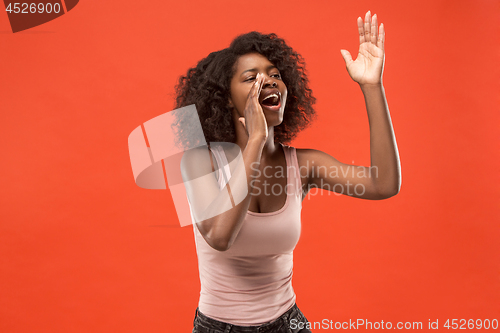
[{"x": 247, "y": 68}]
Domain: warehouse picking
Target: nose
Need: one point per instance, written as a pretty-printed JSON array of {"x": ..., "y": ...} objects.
[{"x": 269, "y": 82}]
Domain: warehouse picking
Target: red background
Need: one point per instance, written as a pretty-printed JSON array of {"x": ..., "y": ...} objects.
[{"x": 83, "y": 249}]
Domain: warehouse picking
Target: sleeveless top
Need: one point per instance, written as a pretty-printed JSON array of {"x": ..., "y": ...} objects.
[{"x": 251, "y": 283}]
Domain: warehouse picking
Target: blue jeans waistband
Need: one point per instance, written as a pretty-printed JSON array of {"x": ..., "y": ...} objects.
[{"x": 280, "y": 324}]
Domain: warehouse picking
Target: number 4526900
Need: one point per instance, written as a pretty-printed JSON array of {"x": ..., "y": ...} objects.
[
  {"x": 464, "y": 324},
  {"x": 32, "y": 8}
]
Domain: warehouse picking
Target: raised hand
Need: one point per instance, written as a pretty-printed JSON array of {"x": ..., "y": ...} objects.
[
  {"x": 369, "y": 64},
  {"x": 254, "y": 120}
]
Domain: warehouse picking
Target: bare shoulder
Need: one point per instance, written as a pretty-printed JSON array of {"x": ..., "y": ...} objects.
[
  {"x": 307, "y": 158},
  {"x": 199, "y": 161},
  {"x": 231, "y": 150},
  {"x": 304, "y": 155},
  {"x": 196, "y": 162}
]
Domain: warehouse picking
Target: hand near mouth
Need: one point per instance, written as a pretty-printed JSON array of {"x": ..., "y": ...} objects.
[{"x": 254, "y": 120}]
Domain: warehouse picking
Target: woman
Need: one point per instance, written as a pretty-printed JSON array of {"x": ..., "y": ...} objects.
[{"x": 254, "y": 96}]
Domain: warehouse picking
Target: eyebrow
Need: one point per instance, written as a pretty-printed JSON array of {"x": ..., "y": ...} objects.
[{"x": 255, "y": 69}]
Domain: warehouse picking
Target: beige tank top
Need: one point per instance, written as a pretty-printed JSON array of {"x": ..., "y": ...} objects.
[{"x": 251, "y": 283}]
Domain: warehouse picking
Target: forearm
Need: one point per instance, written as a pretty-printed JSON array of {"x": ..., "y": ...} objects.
[{"x": 385, "y": 165}]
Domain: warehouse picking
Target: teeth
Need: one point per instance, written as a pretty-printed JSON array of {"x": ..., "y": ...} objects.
[{"x": 272, "y": 95}]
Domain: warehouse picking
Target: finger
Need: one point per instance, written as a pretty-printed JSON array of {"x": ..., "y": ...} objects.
[
  {"x": 381, "y": 37},
  {"x": 361, "y": 30},
  {"x": 255, "y": 88},
  {"x": 261, "y": 84},
  {"x": 373, "y": 29},
  {"x": 347, "y": 56},
  {"x": 242, "y": 121},
  {"x": 367, "y": 26}
]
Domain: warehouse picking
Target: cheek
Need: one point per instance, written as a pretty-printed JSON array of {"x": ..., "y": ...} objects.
[{"x": 241, "y": 98}]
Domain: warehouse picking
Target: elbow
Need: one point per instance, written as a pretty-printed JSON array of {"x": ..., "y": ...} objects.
[
  {"x": 220, "y": 244},
  {"x": 388, "y": 193},
  {"x": 217, "y": 239},
  {"x": 387, "y": 186}
]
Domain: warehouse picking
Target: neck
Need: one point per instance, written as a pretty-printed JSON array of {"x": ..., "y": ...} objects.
[{"x": 270, "y": 147}]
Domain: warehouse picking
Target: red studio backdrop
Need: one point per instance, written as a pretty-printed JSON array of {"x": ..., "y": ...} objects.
[{"x": 84, "y": 249}]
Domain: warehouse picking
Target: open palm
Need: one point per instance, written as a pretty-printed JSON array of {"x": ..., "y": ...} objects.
[{"x": 369, "y": 64}]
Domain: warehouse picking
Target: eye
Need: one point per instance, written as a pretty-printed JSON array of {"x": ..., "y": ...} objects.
[
  {"x": 250, "y": 78},
  {"x": 278, "y": 76}
]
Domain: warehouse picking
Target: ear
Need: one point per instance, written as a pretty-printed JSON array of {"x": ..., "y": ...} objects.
[{"x": 230, "y": 103}]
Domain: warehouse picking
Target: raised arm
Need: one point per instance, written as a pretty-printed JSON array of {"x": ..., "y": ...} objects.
[
  {"x": 220, "y": 213},
  {"x": 382, "y": 179}
]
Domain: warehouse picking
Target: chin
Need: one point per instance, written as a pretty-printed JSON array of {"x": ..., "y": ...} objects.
[{"x": 274, "y": 120}]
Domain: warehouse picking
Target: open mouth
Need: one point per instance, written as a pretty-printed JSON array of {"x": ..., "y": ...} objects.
[{"x": 272, "y": 101}]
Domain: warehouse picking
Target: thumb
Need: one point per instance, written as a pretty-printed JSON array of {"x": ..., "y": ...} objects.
[
  {"x": 347, "y": 56},
  {"x": 242, "y": 121}
]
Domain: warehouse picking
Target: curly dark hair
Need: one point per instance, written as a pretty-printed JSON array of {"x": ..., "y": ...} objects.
[{"x": 208, "y": 86}]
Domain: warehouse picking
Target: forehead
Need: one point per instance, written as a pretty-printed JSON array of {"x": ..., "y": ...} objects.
[{"x": 251, "y": 60}]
